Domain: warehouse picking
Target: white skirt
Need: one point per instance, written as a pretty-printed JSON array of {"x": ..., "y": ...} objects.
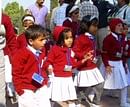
[
  {"x": 63, "y": 89},
  {"x": 117, "y": 79},
  {"x": 87, "y": 78}
]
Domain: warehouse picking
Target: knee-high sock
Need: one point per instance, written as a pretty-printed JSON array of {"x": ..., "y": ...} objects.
[{"x": 123, "y": 99}]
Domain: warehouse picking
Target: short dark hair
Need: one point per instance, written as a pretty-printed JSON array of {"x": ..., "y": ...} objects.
[
  {"x": 34, "y": 31},
  {"x": 62, "y": 36}
]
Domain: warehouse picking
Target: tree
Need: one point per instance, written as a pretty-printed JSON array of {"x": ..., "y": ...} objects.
[
  {"x": 15, "y": 12},
  {"x": 54, "y": 3}
]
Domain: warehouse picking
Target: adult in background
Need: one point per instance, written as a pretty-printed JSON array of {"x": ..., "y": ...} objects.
[
  {"x": 103, "y": 7},
  {"x": 52, "y": 24},
  {"x": 39, "y": 11},
  {"x": 87, "y": 8},
  {"x": 60, "y": 14}
]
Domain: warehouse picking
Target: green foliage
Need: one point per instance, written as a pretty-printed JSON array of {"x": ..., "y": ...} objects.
[
  {"x": 15, "y": 12},
  {"x": 54, "y": 3}
]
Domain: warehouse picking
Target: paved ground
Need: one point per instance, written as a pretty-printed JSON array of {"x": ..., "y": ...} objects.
[{"x": 106, "y": 101}]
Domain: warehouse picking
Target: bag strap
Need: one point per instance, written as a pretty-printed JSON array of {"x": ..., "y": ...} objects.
[{"x": 124, "y": 16}]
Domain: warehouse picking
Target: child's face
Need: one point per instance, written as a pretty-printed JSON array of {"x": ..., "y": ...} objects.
[
  {"x": 125, "y": 28},
  {"x": 38, "y": 43},
  {"x": 119, "y": 28},
  {"x": 27, "y": 23},
  {"x": 68, "y": 39},
  {"x": 93, "y": 29}
]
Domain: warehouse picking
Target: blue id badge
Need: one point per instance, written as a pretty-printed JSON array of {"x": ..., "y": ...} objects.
[{"x": 38, "y": 78}]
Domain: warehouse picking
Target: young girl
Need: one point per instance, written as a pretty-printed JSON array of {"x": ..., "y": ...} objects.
[
  {"x": 61, "y": 57},
  {"x": 113, "y": 54},
  {"x": 29, "y": 80},
  {"x": 88, "y": 75}
]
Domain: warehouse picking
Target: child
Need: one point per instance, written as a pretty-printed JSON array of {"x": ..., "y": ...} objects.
[
  {"x": 113, "y": 54},
  {"x": 29, "y": 80},
  {"x": 61, "y": 57},
  {"x": 88, "y": 75},
  {"x": 27, "y": 20},
  {"x": 72, "y": 21}
]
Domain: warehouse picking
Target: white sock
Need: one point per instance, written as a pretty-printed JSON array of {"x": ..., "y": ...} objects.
[
  {"x": 91, "y": 96},
  {"x": 123, "y": 99}
]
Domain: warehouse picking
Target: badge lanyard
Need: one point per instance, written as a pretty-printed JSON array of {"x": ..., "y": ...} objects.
[
  {"x": 120, "y": 42},
  {"x": 68, "y": 55},
  {"x": 93, "y": 43},
  {"x": 39, "y": 64}
]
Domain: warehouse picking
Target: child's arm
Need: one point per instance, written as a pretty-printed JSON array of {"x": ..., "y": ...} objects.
[{"x": 87, "y": 56}]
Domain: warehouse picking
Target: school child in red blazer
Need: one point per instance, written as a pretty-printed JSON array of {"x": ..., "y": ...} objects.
[
  {"x": 61, "y": 57},
  {"x": 88, "y": 75},
  {"x": 113, "y": 56},
  {"x": 29, "y": 79},
  {"x": 27, "y": 20}
]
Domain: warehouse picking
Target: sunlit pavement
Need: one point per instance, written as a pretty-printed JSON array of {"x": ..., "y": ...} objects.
[{"x": 106, "y": 101}]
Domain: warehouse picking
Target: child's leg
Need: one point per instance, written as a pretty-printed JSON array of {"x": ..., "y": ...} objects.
[
  {"x": 123, "y": 100},
  {"x": 81, "y": 93},
  {"x": 42, "y": 97},
  {"x": 98, "y": 90},
  {"x": 60, "y": 104},
  {"x": 27, "y": 99}
]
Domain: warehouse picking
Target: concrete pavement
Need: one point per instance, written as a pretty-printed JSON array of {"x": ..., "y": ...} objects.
[{"x": 106, "y": 101}]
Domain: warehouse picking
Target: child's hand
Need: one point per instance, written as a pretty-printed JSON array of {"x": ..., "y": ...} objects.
[
  {"x": 109, "y": 69},
  {"x": 87, "y": 56},
  {"x": 50, "y": 69}
]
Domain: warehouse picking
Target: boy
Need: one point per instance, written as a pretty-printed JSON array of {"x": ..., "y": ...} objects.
[{"x": 29, "y": 80}]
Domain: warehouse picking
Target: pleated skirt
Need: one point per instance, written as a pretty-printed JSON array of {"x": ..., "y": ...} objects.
[
  {"x": 117, "y": 79},
  {"x": 62, "y": 89},
  {"x": 87, "y": 78}
]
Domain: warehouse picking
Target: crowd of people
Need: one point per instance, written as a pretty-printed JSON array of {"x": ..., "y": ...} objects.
[{"x": 84, "y": 50}]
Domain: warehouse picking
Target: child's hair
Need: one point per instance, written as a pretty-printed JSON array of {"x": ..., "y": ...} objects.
[
  {"x": 71, "y": 8},
  {"x": 86, "y": 22},
  {"x": 114, "y": 22},
  {"x": 62, "y": 36},
  {"x": 34, "y": 31},
  {"x": 28, "y": 17}
]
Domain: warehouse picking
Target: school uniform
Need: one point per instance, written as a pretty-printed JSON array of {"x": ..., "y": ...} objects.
[
  {"x": 30, "y": 93},
  {"x": 110, "y": 57},
  {"x": 84, "y": 44},
  {"x": 88, "y": 74},
  {"x": 62, "y": 85},
  {"x": 118, "y": 78},
  {"x": 21, "y": 41}
]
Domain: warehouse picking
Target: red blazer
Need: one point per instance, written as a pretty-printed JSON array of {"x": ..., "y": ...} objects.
[
  {"x": 11, "y": 45},
  {"x": 57, "y": 57},
  {"x": 111, "y": 45},
  {"x": 24, "y": 64},
  {"x": 82, "y": 46},
  {"x": 21, "y": 41}
]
